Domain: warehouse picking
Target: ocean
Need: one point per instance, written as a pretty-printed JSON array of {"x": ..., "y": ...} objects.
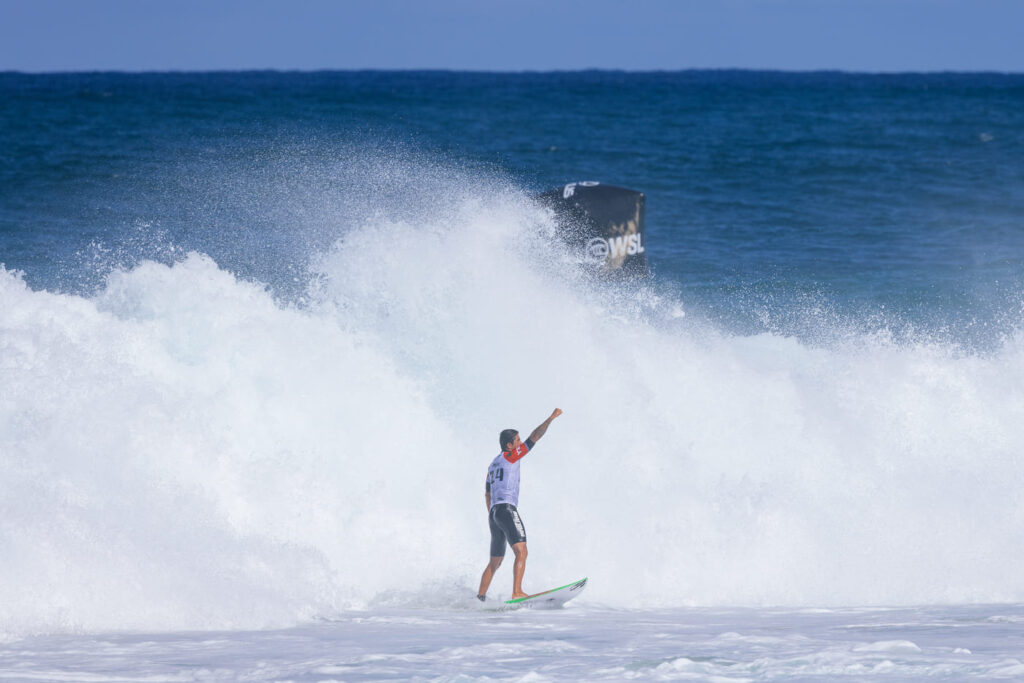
[{"x": 259, "y": 331}]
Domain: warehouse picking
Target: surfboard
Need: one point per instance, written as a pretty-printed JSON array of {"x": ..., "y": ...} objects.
[{"x": 556, "y": 597}]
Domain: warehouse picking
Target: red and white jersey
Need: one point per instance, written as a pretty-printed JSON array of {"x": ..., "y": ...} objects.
[{"x": 503, "y": 475}]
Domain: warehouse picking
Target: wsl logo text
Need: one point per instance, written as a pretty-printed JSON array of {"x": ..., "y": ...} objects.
[{"x": 599, "y": 249}]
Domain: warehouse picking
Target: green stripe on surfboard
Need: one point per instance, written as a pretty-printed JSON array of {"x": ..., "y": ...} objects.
[{"x": 537, "y": 595}]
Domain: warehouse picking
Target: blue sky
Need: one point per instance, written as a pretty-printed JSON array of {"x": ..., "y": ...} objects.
[{"x": 512, "y": 35}]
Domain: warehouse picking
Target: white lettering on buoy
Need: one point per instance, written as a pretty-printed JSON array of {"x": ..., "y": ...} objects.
[
  {"x": 625, "y": 245},
  {"x": 570, "y": 189},
  {"x": 598, "y": 249}
]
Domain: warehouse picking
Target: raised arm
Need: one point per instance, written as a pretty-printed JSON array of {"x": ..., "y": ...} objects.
[{"x": 539, "y": 431}]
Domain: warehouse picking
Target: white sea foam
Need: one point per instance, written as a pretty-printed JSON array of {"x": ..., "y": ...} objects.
[
  {"x": 183, "y": 450},
  {"x": 581, "y": 643}
]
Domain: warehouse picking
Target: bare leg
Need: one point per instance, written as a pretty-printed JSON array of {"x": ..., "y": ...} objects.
[
  {"x": 485, "y": 580},
  {"x": 518, "y": 569}
]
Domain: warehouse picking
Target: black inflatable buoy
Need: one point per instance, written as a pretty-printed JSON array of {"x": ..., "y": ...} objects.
[{"x": 606, "y": 223}]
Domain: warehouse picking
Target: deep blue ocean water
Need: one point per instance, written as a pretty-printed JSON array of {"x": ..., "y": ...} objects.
[{"x": 775, "y": 201}]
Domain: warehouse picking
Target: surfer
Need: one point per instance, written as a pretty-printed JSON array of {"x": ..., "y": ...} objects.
[{"x": 501, "y": 493}]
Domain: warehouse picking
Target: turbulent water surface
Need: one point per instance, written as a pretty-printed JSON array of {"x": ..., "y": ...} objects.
[
  {"x": 583, "y": 643},
  {"x": 258, "y": 333}
]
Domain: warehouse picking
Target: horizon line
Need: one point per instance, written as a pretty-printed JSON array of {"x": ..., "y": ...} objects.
[{"x": 512, "y": 72}]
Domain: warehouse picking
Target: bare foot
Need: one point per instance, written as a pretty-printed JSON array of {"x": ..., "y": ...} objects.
[{"x": 516, "y": 596}]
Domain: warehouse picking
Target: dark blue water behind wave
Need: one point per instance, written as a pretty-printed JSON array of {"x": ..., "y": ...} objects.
[{"x": 774, "y": 200}]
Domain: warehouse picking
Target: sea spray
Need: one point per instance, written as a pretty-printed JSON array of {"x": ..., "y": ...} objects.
[{"x": 184, "y": 450}]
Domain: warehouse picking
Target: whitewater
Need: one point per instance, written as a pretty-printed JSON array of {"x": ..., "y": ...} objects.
[{"x": 203, "y": 470}]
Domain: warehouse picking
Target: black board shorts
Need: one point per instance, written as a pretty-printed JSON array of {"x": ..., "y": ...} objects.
[{"x": 505, "y": 526}]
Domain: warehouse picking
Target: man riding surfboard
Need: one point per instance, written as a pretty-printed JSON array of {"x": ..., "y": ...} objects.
[{"x": 501, "y": 494}]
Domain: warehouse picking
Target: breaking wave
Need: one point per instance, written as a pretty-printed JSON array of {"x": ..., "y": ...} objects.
[{"x": 183, "y": 449}]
